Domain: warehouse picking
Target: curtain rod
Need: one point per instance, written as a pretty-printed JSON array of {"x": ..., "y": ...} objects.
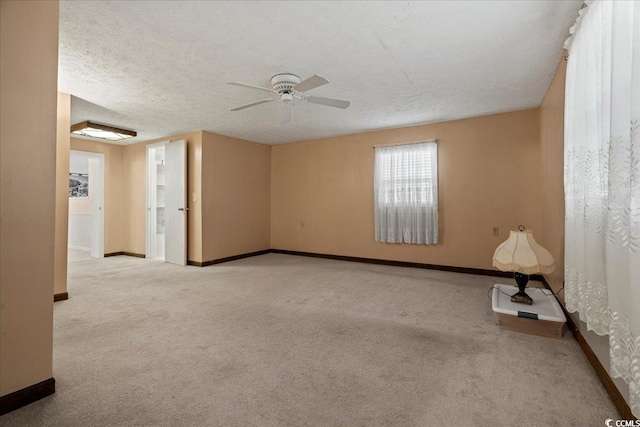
[{"x": 406, "y": 143}]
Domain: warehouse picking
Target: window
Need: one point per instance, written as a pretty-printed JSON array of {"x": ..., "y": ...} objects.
[{"x": 406, "y": 193}]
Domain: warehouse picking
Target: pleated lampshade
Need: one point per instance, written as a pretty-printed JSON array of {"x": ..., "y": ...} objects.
[{"x": 522, "y": 254}]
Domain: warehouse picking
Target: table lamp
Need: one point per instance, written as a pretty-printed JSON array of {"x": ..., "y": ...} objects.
[{"x": 521, "y": 254}]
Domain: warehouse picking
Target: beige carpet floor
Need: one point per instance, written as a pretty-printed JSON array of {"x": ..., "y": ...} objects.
[{"x": 280, "y": 340}]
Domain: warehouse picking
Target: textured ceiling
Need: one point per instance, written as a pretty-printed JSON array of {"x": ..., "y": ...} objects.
[{"x": 160, "y": 68}]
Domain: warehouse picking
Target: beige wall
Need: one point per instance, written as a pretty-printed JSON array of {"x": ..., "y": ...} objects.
[
  {"x": 135, "y": 194},
  {"x": 552, "y": 175},
  {"x": 115, "y": 211},
  {"x": 235, "y": 176},
  {"x": 62, "y": 192},
  {"x": 28, "y": 105},
  {"x": 488, "y": 176},
  {"x": 236, "y": 196},
  {"x": 125, "y": 193}
]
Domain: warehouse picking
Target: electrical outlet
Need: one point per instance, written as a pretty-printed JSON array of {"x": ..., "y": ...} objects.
[
  {"x": 194, "y": 197},
  {"x": 496, "y": 231}
]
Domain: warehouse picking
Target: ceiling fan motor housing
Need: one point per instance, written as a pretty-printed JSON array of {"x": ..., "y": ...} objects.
[{"x": 284, "y": 83}]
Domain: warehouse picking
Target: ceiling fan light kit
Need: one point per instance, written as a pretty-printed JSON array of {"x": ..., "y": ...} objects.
[{"x": 289, "y": 87}]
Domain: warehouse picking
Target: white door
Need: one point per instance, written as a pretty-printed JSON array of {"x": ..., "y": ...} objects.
[
  {"x": 90, "y": 233},
  {"x": 96, "y": 165},
  {"x": 176, "y": 203}
]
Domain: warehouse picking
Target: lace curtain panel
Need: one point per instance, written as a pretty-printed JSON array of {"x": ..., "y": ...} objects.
[
  {"x": 602, "y": 181},
  {"x": 406, "y": 193}
]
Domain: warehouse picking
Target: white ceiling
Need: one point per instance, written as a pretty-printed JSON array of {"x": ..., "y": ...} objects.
[{"x": 160, "y": 68}]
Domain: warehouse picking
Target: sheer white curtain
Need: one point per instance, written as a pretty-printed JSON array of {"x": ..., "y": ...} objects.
[
  {"x": 406, "y": 193},
  {"x": 602, "y": 181}
]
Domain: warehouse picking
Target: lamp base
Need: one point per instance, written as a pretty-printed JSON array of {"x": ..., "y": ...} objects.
[{"x": 522, "y": 298}]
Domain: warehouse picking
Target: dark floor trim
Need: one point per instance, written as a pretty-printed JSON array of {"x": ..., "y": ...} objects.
[
  {"x": 133, "y": 254},
  {"x": 27, "y": 395},
  {"x": 465, "y": 270},
  {"x": 60, "y": 297},
  {"x": 227, "y": 259},
  {"x": 601, "y": 372},
  {"x": 605, "y": 379}
]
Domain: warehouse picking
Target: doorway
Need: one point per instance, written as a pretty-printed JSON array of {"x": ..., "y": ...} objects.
[
  {"x": 166, "y": 202},
  {"x": 86, "y": 201},
  {"x": 156, "y": 200}
]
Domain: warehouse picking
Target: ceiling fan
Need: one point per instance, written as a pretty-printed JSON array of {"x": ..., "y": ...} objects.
[{"x": 289, "y": 87}]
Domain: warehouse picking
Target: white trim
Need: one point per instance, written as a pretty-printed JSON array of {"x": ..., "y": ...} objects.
[{"x": 97, "y": 251}]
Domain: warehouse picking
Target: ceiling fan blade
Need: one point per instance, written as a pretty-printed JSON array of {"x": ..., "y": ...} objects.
[
  {"x": 251, "y": 86},
  {"x": 311, "y": 83},
  {"x": 286, "y": 114},
  {"x": 337, "y": 103},
  {"x": 251, "y": 105}
]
